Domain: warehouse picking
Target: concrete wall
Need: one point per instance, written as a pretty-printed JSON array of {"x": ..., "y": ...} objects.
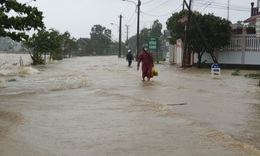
[{"x": 251, "y": 58}]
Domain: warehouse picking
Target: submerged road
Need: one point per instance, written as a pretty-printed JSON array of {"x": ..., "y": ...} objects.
[{"x": 98, "y": 106}]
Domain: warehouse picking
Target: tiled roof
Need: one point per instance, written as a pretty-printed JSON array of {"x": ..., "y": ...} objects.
[{"x": 253, "y": 18}]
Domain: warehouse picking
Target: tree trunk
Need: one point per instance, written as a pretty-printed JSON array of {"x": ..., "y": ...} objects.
[
  {"x": 200, "y": 54},
  {"x": 213, "y": 57}
]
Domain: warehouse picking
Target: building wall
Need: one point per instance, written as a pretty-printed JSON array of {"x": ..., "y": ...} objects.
[
  {"x": 224, "y": 57},
  {"x": 252, "y": 58},
  {"x": 244, "y": 49}
]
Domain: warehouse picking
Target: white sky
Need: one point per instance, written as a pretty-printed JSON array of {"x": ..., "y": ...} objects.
[{"x": 79, "y": 16}]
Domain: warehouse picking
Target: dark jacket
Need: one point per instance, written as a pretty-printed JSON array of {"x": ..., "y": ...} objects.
[{"x": 129, "y": 56}]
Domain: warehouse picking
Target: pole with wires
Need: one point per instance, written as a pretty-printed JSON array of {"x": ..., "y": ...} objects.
[
  {"x": 187, "y": 31},
  {"x": 120, "y": 35},
  {"x": 228, "y": 11},
  {"x": 138, "y": 24}
]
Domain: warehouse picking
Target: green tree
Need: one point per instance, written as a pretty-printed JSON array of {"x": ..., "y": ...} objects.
[
  {"x": 251, "y": 24},
  {"x": 214, "y": 33},
  {"x": 26, "y": 18},
  {"x": 176, "y": 27},
  {"x": 85, "y": 46},
  {"x": 241, "y": 24},
  {"x": 42, "y": 43},
  {"x": 100, "y": 39},
  {"x": 132, "y": 43},
  {"x": 69, "y": 44},
  {"x": 54, "y": 42},
  {"x": 156, "y": 31},
  {"x": 207, "y": 32},
  {"x": 145, "y": 33}
]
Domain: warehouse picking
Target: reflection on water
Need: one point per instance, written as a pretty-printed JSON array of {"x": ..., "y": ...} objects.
[{"x": 230, "y": 104}]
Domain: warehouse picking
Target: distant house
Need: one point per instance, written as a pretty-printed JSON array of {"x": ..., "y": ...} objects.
[{"x": 255, "y": 12}]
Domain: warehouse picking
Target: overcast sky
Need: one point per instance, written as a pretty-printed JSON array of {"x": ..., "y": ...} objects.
[{"x": 79, "y": 16}]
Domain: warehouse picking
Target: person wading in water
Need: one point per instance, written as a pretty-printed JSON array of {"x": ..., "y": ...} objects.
[
  {"x": 146, "y": 57},
  {"x": 129, "y": 58}
]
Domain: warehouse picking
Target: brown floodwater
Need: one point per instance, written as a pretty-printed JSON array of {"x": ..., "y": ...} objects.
[{"x": 99, "y": 106}]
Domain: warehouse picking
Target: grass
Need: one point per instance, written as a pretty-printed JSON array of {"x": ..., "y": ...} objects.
[
  {"x": 236, "y": 72},
  {"x": 253, "y": 75},
  {"x": 11, "y": 80}
]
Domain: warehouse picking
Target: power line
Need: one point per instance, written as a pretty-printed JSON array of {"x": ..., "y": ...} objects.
[
  {"x": 224, "y": 8},
  {"x": 148, "y": 2},
  {"x": 208, "y": 5},
  {"x": 127, "y": 9},
  {"x": 217, "y": 3},
  {"x": 221, "y": 5},
  {"x": 130, "y": 18},
  {"x": 162, "y": 15},
  {"x": 163, "y": 4}
]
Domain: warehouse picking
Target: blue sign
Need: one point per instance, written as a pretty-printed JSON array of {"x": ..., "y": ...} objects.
[{"x": 215, "y": 65}]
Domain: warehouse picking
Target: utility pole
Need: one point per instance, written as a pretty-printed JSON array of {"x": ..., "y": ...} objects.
[
  {"x": 187, "y": 31},
  {"x": 127, "y": 31},
  {"x": 228, "y": 11},
  {"x": 126, "y": 42},
  {"x": 187, "y": 37},
  {"x": 137, "y": 35},
  {"x": 120, "y": 35}
]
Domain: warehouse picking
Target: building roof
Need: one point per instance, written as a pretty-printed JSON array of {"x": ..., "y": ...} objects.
[{"x": 251, "y": 19}]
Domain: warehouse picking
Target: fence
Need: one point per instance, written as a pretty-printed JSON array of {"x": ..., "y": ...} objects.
[
  {"x": 248, "y": 42},
  {"x": 252, "y": 43},
  {"x": 244, "y": 49}
]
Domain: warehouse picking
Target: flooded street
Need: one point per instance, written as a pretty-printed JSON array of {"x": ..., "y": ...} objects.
[{"x": 99, "y": 106}]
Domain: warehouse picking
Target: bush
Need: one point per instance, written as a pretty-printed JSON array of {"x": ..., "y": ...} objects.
[
  {"x": 12, "y": 80},
  {"x": 236, "y": 72},
  {"x": 253, "y": 75},
  {"x": 163, "y": 59}
]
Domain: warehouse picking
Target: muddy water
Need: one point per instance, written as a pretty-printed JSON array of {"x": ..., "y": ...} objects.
[{"x": 99, "y": 106}]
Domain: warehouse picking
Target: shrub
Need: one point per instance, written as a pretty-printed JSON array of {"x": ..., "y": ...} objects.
[
  {"x": 236, "y": 72},
  {"x": 12, "y": 80}
]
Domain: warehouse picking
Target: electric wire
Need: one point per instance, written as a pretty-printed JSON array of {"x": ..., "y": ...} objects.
[
  {"x": 130, "y": 18},
  {"x": 148, "y": 2},
  {"x": 224, "y": 8},
  {"x": 162, "y": 15},
  {"x": 124, "y": 9},
  {"x": 199, "y": 3},
  {"x": 161, "y": 5},
  {"x": 221, "y": 5},
  {"x": 208, "y": 5},
  {"x": 127, "y": 9}
]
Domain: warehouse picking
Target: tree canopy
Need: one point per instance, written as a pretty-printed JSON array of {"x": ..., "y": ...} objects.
[
  {"x": 241, "y": 24},
  {"x": 100, "y": 39},
  {"x": 206, "y": 33},
  {"x": 50, "y": 42},
  {"x": 145, "y": 33},
  {"x": 16, "y": 18},
  {"x": 42, "y": 43},
  {"x": 156, "y": 29}
]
